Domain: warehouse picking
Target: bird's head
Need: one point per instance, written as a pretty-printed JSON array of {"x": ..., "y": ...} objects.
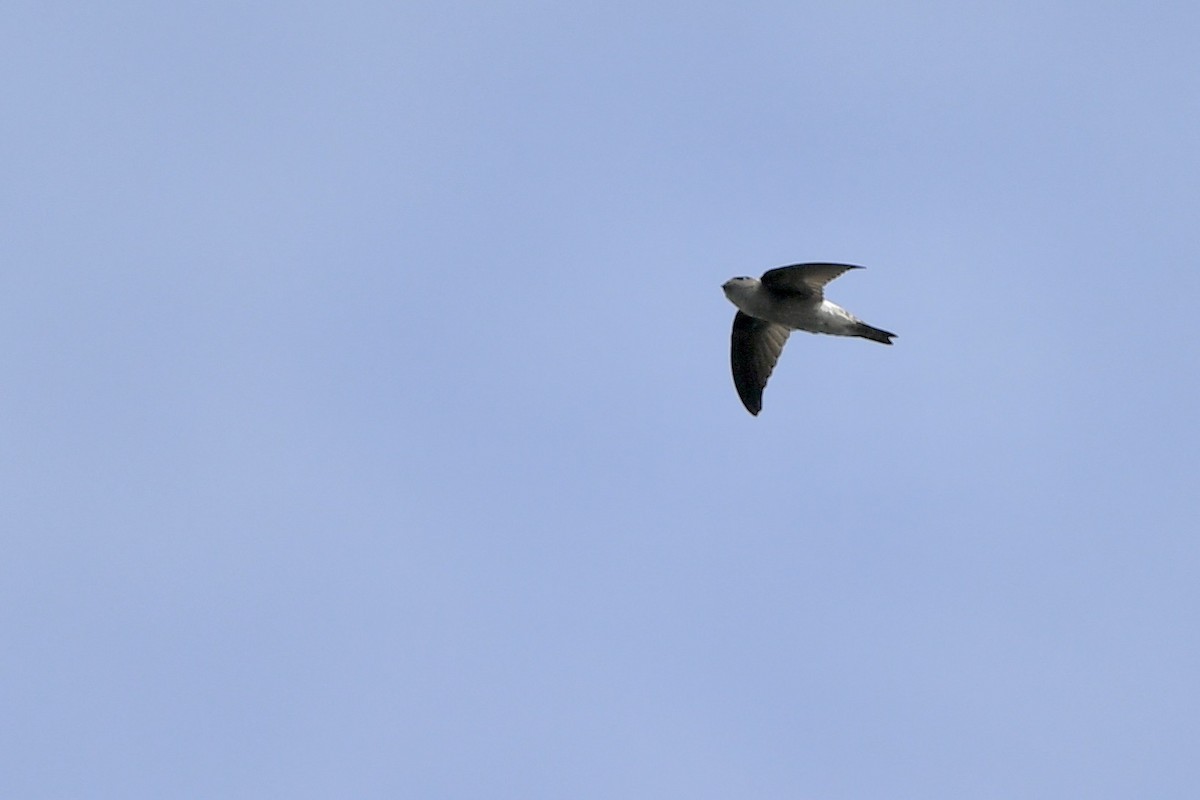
[{"x": 739, "y": 287}]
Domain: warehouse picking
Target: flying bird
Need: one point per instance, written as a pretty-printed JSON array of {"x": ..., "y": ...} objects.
[{"x": 784, "y": 300}]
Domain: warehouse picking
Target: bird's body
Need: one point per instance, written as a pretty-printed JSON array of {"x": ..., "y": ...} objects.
[
  {"x": 784, "y": 300},
  {"x": 814, "y": 315}
]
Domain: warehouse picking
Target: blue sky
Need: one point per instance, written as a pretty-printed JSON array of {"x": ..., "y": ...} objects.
[{"x": 368, "y": 426}]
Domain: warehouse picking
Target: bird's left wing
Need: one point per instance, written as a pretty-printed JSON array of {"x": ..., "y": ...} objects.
[{"x": 755, "y": 347}]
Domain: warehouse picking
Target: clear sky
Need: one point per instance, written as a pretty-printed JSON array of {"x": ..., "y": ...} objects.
[{"x": 368, "y": 428}]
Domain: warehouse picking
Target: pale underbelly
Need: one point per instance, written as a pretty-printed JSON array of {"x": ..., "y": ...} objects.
[{"x": 826, "y": 318}]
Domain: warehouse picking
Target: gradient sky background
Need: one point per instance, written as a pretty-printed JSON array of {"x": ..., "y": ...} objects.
[{"x": 368, "y": 428}]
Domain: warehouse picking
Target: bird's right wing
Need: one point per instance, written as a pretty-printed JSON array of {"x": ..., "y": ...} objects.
[
  {"x": 754, "y": 349},
  {"x": 806, "y": 279}
]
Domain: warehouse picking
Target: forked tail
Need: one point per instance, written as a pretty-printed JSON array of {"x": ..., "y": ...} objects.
[{"x": 874, "y": 334}]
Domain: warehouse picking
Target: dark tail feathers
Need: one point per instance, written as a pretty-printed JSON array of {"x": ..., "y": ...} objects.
[{"x": 874, "y": 334}]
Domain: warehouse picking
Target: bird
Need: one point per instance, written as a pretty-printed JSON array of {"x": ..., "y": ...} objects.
[{"x": 785, "y": 299}]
